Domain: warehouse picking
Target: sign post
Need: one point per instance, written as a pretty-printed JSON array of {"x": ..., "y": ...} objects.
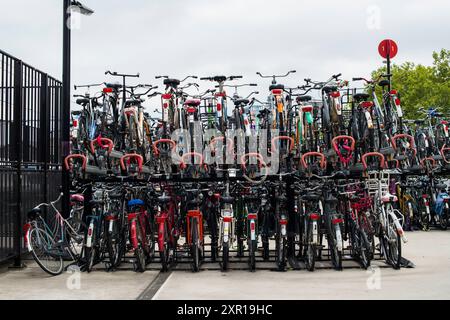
[{"x": 388, "y": 50}]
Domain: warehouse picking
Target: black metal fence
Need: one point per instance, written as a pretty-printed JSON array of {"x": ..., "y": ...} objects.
[{"x": 30, "y": 148}]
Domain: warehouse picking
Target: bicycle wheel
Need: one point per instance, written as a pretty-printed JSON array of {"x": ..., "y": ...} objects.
[
  {"x": 425, "y": 221},
  {"x": 336, "y": 255},
  {"x": 225, "y": 256},
  {"x": 443, "y": 219},
  {"x": 252, "y": 258},
  {"x": 281, "y": 251},
  {"x": 113, "y": 243},
  {"x": 132, "y": 138},
  {"x": 266, "y": 250},
  {"x": 139, "y": 252},
  {"x": 164, "y": 252},
  {"x": 91, "y": 252},
  {"x": 364, "y": 249},
  {"x": 310, "y": 251},
  {"x": 76, "y": 219},
  {"x": 395, "y": 247},
  {"x": 195, "y": 248},
  {"x": 45, "y": 252}
]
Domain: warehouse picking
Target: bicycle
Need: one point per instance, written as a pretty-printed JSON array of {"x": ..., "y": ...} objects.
[{"x": 50, "y": 245}]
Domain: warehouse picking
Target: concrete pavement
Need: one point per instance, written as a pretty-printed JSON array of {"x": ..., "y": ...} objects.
[
  {"x": 32, "y": 283},
  {"x": 430, "y": 251}
]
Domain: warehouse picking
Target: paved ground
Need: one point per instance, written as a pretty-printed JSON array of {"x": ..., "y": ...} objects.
[
  {"x": 32, "y": 283},
  {"x": 429, "y": 280}
]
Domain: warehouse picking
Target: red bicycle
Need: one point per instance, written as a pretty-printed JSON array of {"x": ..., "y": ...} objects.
[
  {"x": 168, "y": 234},
  {"x": 141, "y": 233},
  {"x": 194, "y": 227}
]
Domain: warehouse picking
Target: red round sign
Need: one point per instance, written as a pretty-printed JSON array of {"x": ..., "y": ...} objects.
[{"x": 387, "y": 48}]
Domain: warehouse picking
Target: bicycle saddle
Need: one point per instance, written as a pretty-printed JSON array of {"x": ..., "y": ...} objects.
[
  {"x": 115, "y": 86},
  {"x": 95, "y": 203},
  {"x": 83, "y": 101},
  {"x": 135, "y": 202},
  {"x": 359, "y": 97},
  {"x": 276, "y": 87},
  {"x": 401, "y": 158},
  {"x": 220, "y": 78},
  {"x": 389, "y": 198},
  {"x": 383, "y": 83},
  {"x": 164, "y": 199},
  {"x": 132, "y": 102},
  {"x": 194, "y": 202},
  {"x": 311, "y": 197},
  {"x": 263, "y": 113},
  {"x": 76, "y": 113},
  {"x": 441, "y": 186},
  {"x": 329, "y": 89},
  {"x": 33, "y": 214},
  {"x": 304, "y": 99},
  {"x": 192, "y": 103},
  {"x": 115, "y": 196},
  {"x": 331, "y": 200},
  {"x": 77, "y": 198},
  {"x": 172, "y": 82},
  {"x": 228, "y": 200},
  {"x": 241, "y": 102}
]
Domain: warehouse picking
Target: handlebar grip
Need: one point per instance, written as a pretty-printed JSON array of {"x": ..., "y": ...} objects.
[{"x": 357, "y": 79}]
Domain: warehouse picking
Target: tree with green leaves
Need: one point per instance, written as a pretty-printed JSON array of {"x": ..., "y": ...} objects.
[{"x": 422, "y": 86}]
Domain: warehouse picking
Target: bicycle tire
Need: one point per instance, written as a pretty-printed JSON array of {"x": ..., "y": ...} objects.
[
  {"x": 225, "y": 256},
  {"x": 113, "y": 246},
  {"x": 443, "y": 221},
  {"x": 139, "y": 252},
  {"x": 195, "y": 250},
  {"x": 266, "y": 249},
  {"x": 164, "y": 252},
  {"x": 310, "y": 251},
  {"x": 252, "y": 258},
  {"x": 395, "y": 251},
  {"x": 336, "y": 255},
  {"x": 281, "y": 251},
  {"x": 364, "y": 250},
  {"x": 91, "y": 252},
  {"x": 58, "y": 259}
]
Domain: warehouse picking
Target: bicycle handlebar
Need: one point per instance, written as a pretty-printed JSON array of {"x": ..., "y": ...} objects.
[
  {"x": 221, "y": 79},
  {"x": 115, "y": 74},
  {"x": 275, "y": 76},
  {"x": 87, "y": 86}
]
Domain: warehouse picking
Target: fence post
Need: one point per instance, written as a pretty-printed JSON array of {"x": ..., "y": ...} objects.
[
  {"x": 44, "y": 132},
  {"x": 18, "y": 158}
]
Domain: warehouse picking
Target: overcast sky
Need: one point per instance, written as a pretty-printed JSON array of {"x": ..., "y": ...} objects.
[{"x": 231, "y": 37}]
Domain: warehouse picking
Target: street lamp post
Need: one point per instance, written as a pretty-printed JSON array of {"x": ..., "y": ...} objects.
[{"x": 69, "y": 5}]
